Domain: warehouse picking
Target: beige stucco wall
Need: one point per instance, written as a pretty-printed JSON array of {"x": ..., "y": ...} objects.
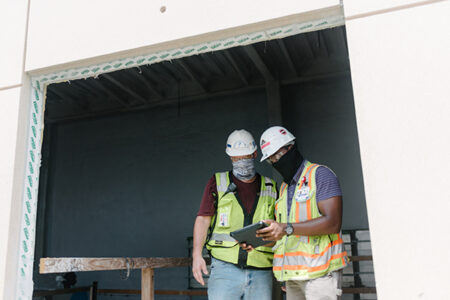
[{"x": 400, "y": 71}]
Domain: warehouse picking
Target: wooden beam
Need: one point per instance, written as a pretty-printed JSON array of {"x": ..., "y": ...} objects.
[
  {"x": 235, "y": 66},
  {"x": 259, "y": 63},
  {"x": 43, "y": 293},
  {"x": 199, "y": 292},
  {"x": 148, "y": 284},
  {"x": 123, "y": 87},
  {"x": 192, "y": 75},
  {"x": 288, "y": 57},
  {"x": 81, "y": 264}
]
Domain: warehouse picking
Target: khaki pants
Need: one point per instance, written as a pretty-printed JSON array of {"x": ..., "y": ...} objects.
[{"x": 327, "y": 287}]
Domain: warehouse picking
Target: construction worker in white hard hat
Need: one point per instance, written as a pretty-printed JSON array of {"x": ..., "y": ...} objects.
[
  {"x": 232, "y": 200},
  {"x": 309, "y": 253}
]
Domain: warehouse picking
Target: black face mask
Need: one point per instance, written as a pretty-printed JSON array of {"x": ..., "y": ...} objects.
[{"x": 288, "y": 164}]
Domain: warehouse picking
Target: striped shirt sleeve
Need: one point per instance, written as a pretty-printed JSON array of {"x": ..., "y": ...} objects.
[{"x": 327, "y": 184}]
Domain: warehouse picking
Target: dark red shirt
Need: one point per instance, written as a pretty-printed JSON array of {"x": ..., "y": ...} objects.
[{"x": 246, "y": 193}]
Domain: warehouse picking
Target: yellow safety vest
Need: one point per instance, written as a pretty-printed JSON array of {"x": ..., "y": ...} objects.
[
  {"x": 305, "y": 257},
  {"x": 230, "y": 217}
]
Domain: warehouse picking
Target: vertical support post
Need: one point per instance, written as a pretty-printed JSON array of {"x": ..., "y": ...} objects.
[
  {"x": 147, "y": 284},
  {"x": 274, "y": 103},
  {"x": 355, "y": 264},
  {"x": 93, "y": 291}
]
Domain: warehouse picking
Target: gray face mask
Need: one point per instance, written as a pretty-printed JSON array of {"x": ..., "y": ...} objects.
[{"x": 244, "y": 169}]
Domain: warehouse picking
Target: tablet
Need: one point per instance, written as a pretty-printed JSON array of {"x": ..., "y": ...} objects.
[{"x": 248, "y": 235}]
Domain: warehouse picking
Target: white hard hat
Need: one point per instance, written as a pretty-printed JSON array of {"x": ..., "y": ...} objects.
[
  {"x": 240, "y": 142},
  {"x": 273, "y": 139}
]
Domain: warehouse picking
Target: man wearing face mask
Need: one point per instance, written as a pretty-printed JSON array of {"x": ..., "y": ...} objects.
[
  {"x": 232, "y": 200},
  {"x": 309, "y": 253}
]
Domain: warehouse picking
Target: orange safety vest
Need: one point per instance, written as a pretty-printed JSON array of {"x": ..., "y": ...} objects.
[{"x": 305, "y": 257}]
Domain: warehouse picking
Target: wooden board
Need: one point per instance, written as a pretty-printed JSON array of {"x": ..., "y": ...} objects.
[{"x": 81, "y": 264}]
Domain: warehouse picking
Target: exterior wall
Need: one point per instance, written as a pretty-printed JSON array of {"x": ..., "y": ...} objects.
[
  {"x": 109, "y": 27},
  {"x": 399, "y": 62},
  {"x": 13, "y": 108}
]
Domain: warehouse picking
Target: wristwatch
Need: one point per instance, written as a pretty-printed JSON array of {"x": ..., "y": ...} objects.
[{"x": 289, "y": 229}]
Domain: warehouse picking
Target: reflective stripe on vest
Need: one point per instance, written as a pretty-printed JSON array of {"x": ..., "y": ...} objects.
[
  {"x": 230, "y": 216},
  {"x": 305, "y": 257}
]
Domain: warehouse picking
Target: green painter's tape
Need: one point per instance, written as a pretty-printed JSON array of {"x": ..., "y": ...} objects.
[
  {"x": 95, "y": 69},
  {"x": 53, "y": 77},
  {"x": 176, "y": 53},
  {"x": 36, "y": 95},
  {"x": 164, "y": 55},
  {"x": 216, "y": 46},
  {"x": 202, "y": 48},
  {"x": 28, "y": 207},
  {"x": 117, "y": 65},
  {"x": 189, "y": 51},
  {"x": 44, "y": 79},
  {"x": 106, "y": 67},
  {"x": 129, "y": 63},
  {"x": 323, "y": 23},
  {"x": 33, "y": 144},
  {"x": 25, "y": 231},
  {"x": 74, "y": 73},
  {"x": 30, "y": 181},
  {"x": 33, "y": 128},
  {"x": 25, "y": 247},
  {"x": 228, "y": 43},
  {"x": 275, "y": 32},
  {"x": 32, "y": 155},
  {"x": 257, "y": 37},
  {"x": 29, "y": 194},
  {"x": 243, "y": 40},
  {"x": 34, "y": 119},
  {"x": 141, "y": 60},
  {"x": 306, "y": 27},
  {"x": 152, "y": 58},
  {"x": 38, "y": 85},
  {"x": 27, "y": 220},
  {"x": 36, "y": 109},
  {"x": 22, "y": 273},
  {"x": 84, "y": 72},
  {"x": 30, "y": 167},
  {"x": 287, "y": 31}
]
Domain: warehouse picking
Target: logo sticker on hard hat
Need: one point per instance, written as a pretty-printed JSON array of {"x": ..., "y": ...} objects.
[{"x": 282, "y": 131}]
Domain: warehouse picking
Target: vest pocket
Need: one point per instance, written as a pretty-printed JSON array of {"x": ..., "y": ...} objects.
[{"x": 224, "y": 214}]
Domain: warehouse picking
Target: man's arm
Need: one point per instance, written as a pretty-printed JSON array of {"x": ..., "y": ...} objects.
[
  {"x": 198, "y": 263},
  {"x": 330, "y": 222}
]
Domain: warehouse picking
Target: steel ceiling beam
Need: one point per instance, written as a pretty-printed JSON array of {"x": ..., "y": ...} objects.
[
  {"x": 236, "y": 66},
  {"x": 288, "y": 57},
  {"x": 192, "y": 75},
  {"x": 259, "y": 63},
  {"x": 123, "y": 87}
]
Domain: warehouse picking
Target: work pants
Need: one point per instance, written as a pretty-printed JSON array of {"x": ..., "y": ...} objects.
[
  {"x": 327, "y": 287},
  {"x": 229, "y": 282}
]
